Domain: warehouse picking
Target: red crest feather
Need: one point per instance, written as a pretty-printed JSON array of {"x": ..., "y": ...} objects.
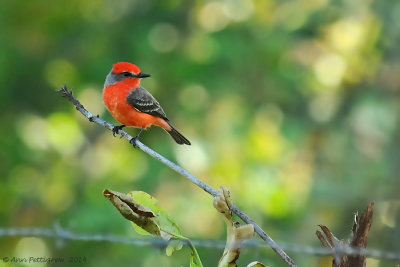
[{"x": 121, "y": 67}]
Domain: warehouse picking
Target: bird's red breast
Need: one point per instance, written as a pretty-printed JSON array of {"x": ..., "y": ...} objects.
[{"x": 115, "y": 96}]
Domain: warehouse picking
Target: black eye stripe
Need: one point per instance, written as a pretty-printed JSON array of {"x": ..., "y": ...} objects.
[{"x": 126, "y": 74}]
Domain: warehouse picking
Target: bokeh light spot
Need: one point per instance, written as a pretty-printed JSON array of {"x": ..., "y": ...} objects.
[
  {"x": 109, "y": 10},
  {"x": 58, "y": 72},
  {"x": 212, "y": 17},
  {"x": 329, "y": 69},
  {"x": 32, "y": 130},
  {"x": 373, "y": 123},
  {"x": 56, "y": 196},
  {"x": 64, "y": 133},
  {"x": 346, "y": 35},
  {"x": 296, "y": 178},
  {"x": 31, "y": 247},
  {"x": 201, "y": 48},
  {"x": 239, "y": 10},
  {"x": 163, "y": 37},
  {"x": 193, "y": 91},
  {"x": 266, "y": 143},
  {"x": 195, "y": 159},
  {"x": 92, "y": 98},
  {"x": 388, "y": 210},
  {"x": 291, "y": 14},
  {"x": 112, "y": 158},
  {"x": 266, "y": 192},
  {"x": 323, "y": 106}
]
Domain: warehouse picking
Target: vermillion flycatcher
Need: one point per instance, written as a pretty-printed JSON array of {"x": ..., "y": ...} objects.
[{"x": 132, "y": 105}]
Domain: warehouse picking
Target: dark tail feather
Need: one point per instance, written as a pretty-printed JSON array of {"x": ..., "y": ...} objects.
[{"x": 178, "y": 137}]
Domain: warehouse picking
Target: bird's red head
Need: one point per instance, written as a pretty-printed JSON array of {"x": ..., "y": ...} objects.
[
  {"x": 122, "y": 67},
  {"x": 124, "y": 72}
]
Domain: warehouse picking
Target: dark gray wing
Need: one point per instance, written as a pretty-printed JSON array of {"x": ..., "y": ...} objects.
[{"x": 143, "y": 101}]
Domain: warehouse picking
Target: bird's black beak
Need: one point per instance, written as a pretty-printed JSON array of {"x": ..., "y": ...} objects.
[{"x": 142, "y": 75}]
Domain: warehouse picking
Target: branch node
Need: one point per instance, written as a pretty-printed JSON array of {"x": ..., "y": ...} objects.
[{"x": 91, "y": 119}]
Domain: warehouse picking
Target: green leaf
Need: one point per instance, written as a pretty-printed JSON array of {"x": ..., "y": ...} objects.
[{"x": 167, "y": 225}]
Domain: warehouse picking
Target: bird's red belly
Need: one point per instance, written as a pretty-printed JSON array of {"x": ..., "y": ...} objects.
[{"x": 115, "y": 101}]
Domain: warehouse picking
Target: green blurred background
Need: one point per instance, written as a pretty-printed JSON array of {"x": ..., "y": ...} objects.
[{"x": 292, "y": 105}]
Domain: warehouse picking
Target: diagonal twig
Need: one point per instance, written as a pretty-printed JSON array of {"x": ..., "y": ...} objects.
[{"x": 68, "y": 94}]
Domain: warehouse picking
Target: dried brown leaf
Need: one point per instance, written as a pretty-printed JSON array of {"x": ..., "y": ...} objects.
[
  {"x": 222, "y": 203},
  {"x": 134, "y": 212},
  {"x": 322, "y": 239},
  {"x": 235, "y": 233}
]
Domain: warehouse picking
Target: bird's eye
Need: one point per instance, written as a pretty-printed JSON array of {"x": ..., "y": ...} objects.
[{"x": 126, "y": 74}]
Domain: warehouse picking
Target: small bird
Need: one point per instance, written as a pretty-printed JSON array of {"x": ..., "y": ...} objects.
[{"x": 132, "y": 105}]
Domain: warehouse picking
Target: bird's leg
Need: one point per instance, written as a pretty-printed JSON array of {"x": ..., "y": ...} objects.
[
  {"x": 116, "y": 129},
  {"x": 134, "y": 139}
]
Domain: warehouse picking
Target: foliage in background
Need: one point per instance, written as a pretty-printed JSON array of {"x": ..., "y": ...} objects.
[{"x": 293, "y": 105}]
